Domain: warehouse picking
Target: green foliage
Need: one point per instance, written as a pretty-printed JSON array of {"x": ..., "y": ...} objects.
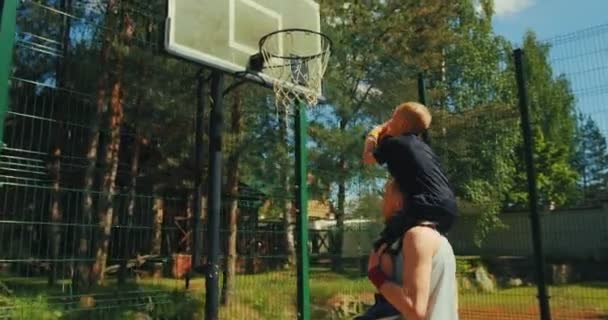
[
  {"x": 551, "y": 99},
  {"x": 261, "y": 147},
  {"x": 359, "y": 31},
  {"x": 591, "y": 158},
  {"x": 379, "y": 48},
  {"x": 552, "y": 106},
  {"x": 463, "y": 266},
  {"x": 556, "y": 177},
  {"x": 32, "y": 308},
  {"x": 472, "y": 89},
  {"x": 476, "y": 72},
  {"x": 476, "y": 149},
  {"x": 484, "y": 196},
  {"x": 478, "y": 135},
  {"x": 475, "y": 121},
  {"x": 368, "y": 206}
]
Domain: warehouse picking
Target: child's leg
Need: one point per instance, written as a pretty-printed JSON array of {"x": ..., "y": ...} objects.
[{"x": 443, "y": 214}]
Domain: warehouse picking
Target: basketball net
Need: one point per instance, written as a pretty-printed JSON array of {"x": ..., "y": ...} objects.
[{"x": 296, "y": 66}]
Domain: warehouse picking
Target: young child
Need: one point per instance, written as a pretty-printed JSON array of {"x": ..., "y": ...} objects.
[
  {"x": 418, "y": 190},
  {"x": 415, "y": 171}
]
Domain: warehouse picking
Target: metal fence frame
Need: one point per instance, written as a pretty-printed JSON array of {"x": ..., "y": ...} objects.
[{"x": 212, "y": 269}]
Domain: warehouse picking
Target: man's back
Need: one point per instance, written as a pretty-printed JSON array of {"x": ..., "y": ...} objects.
[{"x": 443, "y": 303}]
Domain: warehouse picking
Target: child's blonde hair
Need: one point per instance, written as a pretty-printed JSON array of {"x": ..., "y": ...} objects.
[{"x": 416, "y": 115}]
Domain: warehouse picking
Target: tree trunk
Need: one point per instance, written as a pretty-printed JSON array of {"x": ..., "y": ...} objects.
[
  {"x": 188, "y": 239},
  {"x": 56, "y": 215},
  {"x": 283, "y": 180},
  {"x": 55, "y": 212},
  {"x": 157, "y": 231},
  {"x": 122, "y": 276},
  {"x": 233, "y": 191},
  {"x": 116, "y": 115},
  {"x": 82, "y": 278},
  {"x": 106, "y": 212},
  {"x": 231, "y": 257},
  {"x": 134, "y": 172},
  {"x": 337, "y": 265}
]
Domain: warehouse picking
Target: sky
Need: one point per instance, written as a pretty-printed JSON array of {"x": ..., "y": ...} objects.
[
  {"x": 578, "y": 33},
  {"x": 548, "y": 18}
]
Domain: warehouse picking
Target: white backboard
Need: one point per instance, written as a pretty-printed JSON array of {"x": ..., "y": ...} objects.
[{"x": 223, "y": 34}]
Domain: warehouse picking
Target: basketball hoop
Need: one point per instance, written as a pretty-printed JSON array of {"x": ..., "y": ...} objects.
[{"x": 297, "y": 60}]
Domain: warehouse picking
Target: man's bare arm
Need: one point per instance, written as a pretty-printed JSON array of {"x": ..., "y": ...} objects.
[{"x": 412, "y": 298}]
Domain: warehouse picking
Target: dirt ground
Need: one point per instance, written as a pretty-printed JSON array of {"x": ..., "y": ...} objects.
[{"x": 531, "y": 314}]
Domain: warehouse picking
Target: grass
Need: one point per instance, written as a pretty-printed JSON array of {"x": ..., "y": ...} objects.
[
  {"x": 583, "y": 296},
  {"x": 32, "y": 299},
  {"x": 263, "y": 296}
]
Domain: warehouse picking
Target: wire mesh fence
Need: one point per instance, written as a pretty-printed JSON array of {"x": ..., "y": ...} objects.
[
  {"x": 476, "y": 132},
  {"x": 88, "y": 230},
  {"x": 576, "y": 237},
  {"x": 258, "y": 218},
  {"x": 98, "y": 194},
  {"x": 98, "y": 176}
]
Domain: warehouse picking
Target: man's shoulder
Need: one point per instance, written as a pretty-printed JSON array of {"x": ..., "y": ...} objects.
[{"x": 421, "y": 240}]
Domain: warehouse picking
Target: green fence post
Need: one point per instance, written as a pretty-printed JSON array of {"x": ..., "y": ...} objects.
[
  {"x": 216, "y": 124},
  {"x": 422, "y": 99},
  {"x": 539, "y": 256},
  {"x": 302, "y": 207},
  {"x": 7, "y": 39}
]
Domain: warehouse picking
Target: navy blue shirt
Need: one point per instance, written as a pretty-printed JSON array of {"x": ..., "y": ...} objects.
[{"x": 417, "y": 170}]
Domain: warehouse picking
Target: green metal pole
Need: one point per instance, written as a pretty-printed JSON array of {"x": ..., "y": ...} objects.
[
  {"x": 7, "y": 39},
  {"x": 539, "y": 256},
  {"x": 302, "y": 209},
  {"x": 422, "y": 99},
  {"x": 216, "y": 123}
]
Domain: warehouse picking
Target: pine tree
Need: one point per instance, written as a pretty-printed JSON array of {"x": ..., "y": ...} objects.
[{"x": 591, "y": 160}]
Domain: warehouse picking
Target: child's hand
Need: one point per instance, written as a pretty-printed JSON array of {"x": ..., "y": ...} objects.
[
  {"x": 371, "y": 141},
  {"x": 368, "y": 151},
  {"x": 377, "y": 132}
]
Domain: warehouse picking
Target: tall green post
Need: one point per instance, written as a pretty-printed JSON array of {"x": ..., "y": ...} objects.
[
  {"x": 302, "y": 216},
  {"x": 422, "y": 99},
  {"x": 535, "y": 223},
  {"x": 216, "y": 123},
  {"x": 7, "y": 39}
]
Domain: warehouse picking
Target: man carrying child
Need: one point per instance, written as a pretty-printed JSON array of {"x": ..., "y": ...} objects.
[{"x": 419, "y": 209}]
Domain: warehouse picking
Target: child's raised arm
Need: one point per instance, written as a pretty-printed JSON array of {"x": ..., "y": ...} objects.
[{"x": 371, "y": 141}]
